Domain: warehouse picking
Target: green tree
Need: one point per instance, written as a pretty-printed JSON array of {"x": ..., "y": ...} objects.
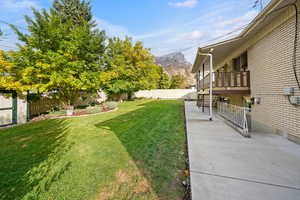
[
  {"x": 129, "y": 67},
  {"x": 74, "y": 10},
  {"x": 58, "y": 57},
  {"x": 164, "y": 81},
  {"x": 178, "y": 81}
]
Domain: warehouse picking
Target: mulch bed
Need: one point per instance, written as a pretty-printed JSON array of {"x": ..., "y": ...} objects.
[{"x": 75, "y": 114}]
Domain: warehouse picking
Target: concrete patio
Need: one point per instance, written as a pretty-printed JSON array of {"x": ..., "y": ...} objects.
[{"x": 224, "y": 165}]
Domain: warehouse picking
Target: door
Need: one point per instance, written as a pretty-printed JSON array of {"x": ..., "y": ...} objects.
[{"x": 8, "y": 108}]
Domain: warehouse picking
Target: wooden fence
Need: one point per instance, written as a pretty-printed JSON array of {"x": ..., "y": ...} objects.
[{"x": 41, "y": 106}]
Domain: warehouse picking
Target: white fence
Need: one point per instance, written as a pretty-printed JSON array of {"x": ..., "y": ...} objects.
[
  {"x": 188, "y": 94},
  {"x": 12, "y": 111},
  {"x": 236, "y": 115}
]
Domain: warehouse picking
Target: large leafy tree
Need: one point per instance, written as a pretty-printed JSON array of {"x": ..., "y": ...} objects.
[
  {"x": 58, "y": 57},
  {"x": 178, "y": 81},
  {"x": 164, "y": 81},
  {"x": 74, "y": 10},
  {"x": 129, "y": 67}
]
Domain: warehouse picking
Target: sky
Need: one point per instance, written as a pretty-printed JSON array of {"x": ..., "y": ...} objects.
[{"x": 164, "y": 26}]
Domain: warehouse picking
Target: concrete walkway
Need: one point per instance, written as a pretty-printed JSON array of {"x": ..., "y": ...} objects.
[{"x": 224, "y": 165}]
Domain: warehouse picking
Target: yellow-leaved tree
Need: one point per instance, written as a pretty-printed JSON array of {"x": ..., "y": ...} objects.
[
  {"x": 8, "y": 78},
  {"x": 58, "y": 57}
]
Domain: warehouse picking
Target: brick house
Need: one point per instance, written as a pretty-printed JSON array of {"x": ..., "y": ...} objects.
[{"x": 260, "y": 64}]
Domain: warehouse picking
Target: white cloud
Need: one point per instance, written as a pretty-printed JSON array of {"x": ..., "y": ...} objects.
[
  {"x": 151, "y": 35},
  {"x": 8, "y": 42},
  {"x": 112, "y": 29},
  {"x": 186, "y": 3},
  {"x": 194, "y": 35},
  {"x": 238, "y": 20},
  {"x": 18, "y": 5},
  {"x": 202, "y": 32}
]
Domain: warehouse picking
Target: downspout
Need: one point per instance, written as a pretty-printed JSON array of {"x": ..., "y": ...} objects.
[
  {"x": 210, "y": 82},
  {"x": 296, "y": 44}
]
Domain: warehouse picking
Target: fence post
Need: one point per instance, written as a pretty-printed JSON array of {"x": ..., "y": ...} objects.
[{"x": 246, "y": 123}]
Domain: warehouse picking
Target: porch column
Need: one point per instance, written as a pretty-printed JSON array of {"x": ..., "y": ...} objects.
[
  {"x": 203, "y": 95},
  {"x": 210, "y": 82},
  {"x": 210, "y": 87}
]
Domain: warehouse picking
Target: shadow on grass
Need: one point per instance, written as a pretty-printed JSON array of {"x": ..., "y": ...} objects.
[
  {"x": 27, "y": 155},
  {"x": 154, "y": 137}
]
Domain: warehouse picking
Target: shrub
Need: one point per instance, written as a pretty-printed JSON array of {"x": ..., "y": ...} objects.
[
  {"x": 81, "y": 106},
  {"x": 94, "y": 103}
]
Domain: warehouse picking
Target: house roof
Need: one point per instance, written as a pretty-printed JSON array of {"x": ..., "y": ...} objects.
[{"x": 222, "y": 49}]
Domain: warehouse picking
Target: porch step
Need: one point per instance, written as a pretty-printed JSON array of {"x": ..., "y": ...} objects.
[{"x": 294, "y": 137}]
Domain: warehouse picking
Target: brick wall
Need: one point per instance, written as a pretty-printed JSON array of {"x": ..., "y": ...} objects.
[{"x": 270, "y": 63}]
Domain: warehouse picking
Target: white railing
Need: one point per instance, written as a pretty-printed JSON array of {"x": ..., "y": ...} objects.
[{"x": 236, "y": 115}]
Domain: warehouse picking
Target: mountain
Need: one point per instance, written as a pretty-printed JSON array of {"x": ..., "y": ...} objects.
[{"x": 175, "y": 63}]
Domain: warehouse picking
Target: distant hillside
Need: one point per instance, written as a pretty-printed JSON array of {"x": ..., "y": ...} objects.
[{"x": 175, "y": 63}]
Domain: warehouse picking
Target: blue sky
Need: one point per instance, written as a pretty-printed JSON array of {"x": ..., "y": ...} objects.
[{"x": 165, "y": 26}]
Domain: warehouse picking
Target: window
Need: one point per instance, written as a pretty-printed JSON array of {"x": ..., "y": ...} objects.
[
  {"x": 244, "y": 61},
  {"x": 241, "y": 63},
  {"x": 237, "y": 64},
  {"x": 225, "y": 68}
]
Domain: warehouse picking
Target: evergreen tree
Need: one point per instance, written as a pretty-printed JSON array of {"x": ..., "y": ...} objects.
[{"x": 75, "y": 10}]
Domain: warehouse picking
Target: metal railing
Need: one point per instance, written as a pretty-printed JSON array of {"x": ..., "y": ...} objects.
[{"x": 236, "y": 115}]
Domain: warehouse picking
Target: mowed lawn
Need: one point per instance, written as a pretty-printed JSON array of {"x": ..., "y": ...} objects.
[{"x": 136, "y": 152}]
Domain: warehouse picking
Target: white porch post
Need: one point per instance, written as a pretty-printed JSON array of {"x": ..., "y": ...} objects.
[
  {"x": 211, "y": 88},
  {"x": 210, "y": 83}
]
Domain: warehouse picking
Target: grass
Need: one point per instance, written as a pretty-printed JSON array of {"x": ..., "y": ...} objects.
[{"x": 136, "y": 152}]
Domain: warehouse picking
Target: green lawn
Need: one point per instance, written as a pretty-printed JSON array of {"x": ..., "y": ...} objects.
[{"x": 136, "y": 152}]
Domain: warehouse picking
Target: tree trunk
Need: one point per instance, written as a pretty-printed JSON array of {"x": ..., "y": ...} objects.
[
  {"x": 129, "y": 96},
  {"x": 69, "y": 98}
]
